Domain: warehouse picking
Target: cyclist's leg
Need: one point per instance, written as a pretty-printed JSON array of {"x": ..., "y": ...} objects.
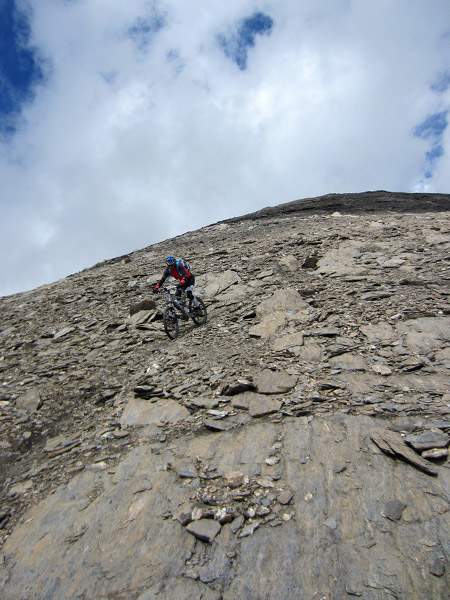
[
  {"x": 179, "y": 292},
  {"x": 190, "y": 291}
]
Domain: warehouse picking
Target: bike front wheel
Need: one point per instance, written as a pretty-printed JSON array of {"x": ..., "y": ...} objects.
[
  {"x": 170, "y": 320},
  {"x": 199, "y": 315}
]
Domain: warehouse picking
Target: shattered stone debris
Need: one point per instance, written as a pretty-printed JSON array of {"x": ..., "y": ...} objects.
[{"x": 308, "y": 418}]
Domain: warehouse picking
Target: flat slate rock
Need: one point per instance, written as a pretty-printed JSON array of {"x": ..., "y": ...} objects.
[
  {"x": 393, "y": 510},
  {"x": 376, "y": 295},
  {"x": 217, "y": 424},
  {"x": 143, "y": 412},
  {"x": 290, "y": 340},
  {"x": 204, "y": 529},
  {"x": 378, "y": 332},
  {"x": 185, "y": 468},
  {"x": 348, "y": 361},
  {"x": 205, "y": 402},
  {"x": 270, "y": 325},
  {"x": 436, "y": 453},
  {"x": 428, "y": 440},
  {"x": 284, "y": 300},
  {"x": 275, "y": 382},
  {"x": 140, "y": 317},
  {"x": 63, "y": 332},
  {"x": 220, "y": 283},
  {"x": 392, "y": 443},
  {"x": 242, "y": 401},
  {"x": 261, "y": 405},
  {"x": 31, "y": 401},
  {"x": 143, "y": 305}
]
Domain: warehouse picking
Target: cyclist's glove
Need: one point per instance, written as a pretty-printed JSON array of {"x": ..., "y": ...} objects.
[{"x": 183, "y": 281}]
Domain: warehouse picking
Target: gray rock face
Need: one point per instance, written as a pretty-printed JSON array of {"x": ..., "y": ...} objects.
[
  {"x": 270, "y": 382},
  {"x": 296, "y": 446},
  {"x": 353, "y": 516}
]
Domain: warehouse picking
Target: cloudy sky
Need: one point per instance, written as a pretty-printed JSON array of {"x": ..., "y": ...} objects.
[{"x": 123, "y": 123}]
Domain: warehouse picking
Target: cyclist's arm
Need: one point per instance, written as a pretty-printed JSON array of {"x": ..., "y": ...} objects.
[{"x": 164, "y": 277}]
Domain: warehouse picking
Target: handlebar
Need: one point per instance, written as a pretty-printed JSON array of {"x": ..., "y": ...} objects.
[
  {"x": 172, "y": 292},
  {"x": 169, "y": 289}
]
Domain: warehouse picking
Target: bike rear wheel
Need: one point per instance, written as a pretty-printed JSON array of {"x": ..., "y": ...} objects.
[
  {"x": 199, "y": 316},
  {"x": 170, "y": 319}
]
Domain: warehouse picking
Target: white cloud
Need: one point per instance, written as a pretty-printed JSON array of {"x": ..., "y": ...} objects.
[{"x": 137, "y": 138}]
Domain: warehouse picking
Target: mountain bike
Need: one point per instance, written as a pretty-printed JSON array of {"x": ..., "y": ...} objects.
[{"x": 177, "y": 304}]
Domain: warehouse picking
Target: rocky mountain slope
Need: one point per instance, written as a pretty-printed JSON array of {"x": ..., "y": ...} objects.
[{"x": 295, "y": 446}]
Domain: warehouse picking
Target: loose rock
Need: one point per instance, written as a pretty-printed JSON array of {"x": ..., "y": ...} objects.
[{"x": 205, "y": 529}]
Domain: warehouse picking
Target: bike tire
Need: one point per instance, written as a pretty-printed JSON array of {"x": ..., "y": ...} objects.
[
  {"x": 170, "y": 320},
  {"x": 200, "y": 315}
]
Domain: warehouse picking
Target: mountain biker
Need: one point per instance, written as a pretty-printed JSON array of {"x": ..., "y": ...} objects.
[{"x": 179, "y": 269}]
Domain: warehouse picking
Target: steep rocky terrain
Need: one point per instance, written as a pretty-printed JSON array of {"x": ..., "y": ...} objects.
[{"x": 295, "y": 446}]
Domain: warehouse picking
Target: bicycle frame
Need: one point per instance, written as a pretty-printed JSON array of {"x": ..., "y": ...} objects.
[{"x": 172, "y": 301}]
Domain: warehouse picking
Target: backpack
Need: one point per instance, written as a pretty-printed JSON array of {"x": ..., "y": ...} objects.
[{"x": 185, "y": 264}]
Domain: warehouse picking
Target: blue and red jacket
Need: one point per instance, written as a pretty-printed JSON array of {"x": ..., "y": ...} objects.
[{"x": 178, "y": 271}]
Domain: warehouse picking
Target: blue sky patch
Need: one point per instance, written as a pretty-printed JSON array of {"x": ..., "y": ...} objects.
[
  {"x": 432, "y": 129},
  {"x": 433, "y": 126},
  {"x": 441, "y": 83},
  {"x": 174, "y": 59},
  {"x": 143, "y": 29},
  {"x": 435, "y": 152},
  {"x": 237, "y": 43},
  {"x": 20, "y": 68}
]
